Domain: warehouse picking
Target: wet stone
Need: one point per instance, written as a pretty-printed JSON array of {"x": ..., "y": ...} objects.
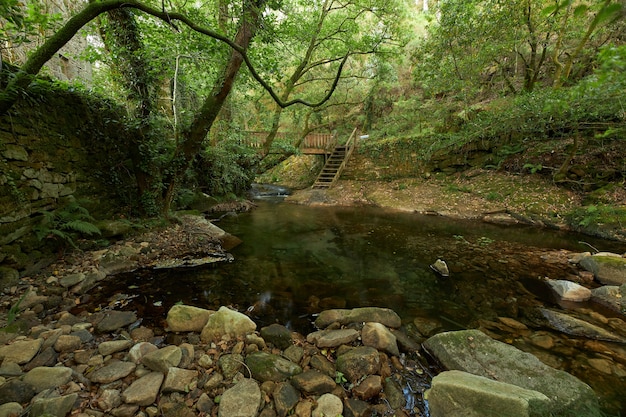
[
  {"x": 353, "y": 407},
  {"x": 379, "y": 337},
  {"x": 369, "y": 388},
  {"x": 358, "y": 362},
  {"x": 115, "y": 320},
  {"x": 384, "y": 316},
  {"x": 278, "y": 335},
  {"x": 268, "y": 367}
]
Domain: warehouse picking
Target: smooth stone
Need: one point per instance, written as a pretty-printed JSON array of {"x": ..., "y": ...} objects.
[
  {"x": 53, "y": 406},
  {"x": 110, "y": 347},
  {"x": 115, "y": 320},
  {"x": 268, "y": 367},
  {"x": 294, "y": 353},
  {"x": 285, "y": 398},
  {"x": 139, "y": 350},
  {"x": 111, "y": 372},
  {"x": 71, "y": 280},
  {"x": 43, "y": 378},
  {"x": 242, "y": 400},
  {"x": 610, "y": 296},
  {"x": 16, "y": 390},
  {"x": 184, "y": 318},
  {"x": 379, "y": 337},
  {"x": 11, "y": 409},
  {"x": 67, "y": 343},
  {"x": 278, "y": 335},
  {"x": 461, "y": 394},
  {"x": 570, "y": 291},
  {"x": 163, "y": 359},
  {"x": 609, "y": 269},
  {"x": 353, "y": 407},
  {"x": 577, "y": 327},
  {"x": 313, "y": 382},
  {"x": 474, "y": 352},
  {"x": 144, "y": 390},
  {"x": 226, "y": 322},
  {"x": 384, "y": 316},
  {"x": 369, "y": 388},
  {"x": 20, "y": 352},
  {"x": 332, "y": 338},
  {"x": 328, "y": 405},
  {"x": 322, "y": 364}
]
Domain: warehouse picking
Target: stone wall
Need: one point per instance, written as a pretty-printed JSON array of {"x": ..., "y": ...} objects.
[{"x": 55, "y": 147}]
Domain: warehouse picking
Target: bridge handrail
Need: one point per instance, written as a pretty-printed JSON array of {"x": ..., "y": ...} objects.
[{"x": 350, "y": 145}]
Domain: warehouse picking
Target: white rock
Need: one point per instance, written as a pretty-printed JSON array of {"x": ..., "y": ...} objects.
[{"x": 570, "y": 291}]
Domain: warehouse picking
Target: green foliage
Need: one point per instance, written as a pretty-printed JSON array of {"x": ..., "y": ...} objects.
[
  {"x": 340, "y": 378},
  {"x": 23, "y": 20},
  {"x": 533, "y": 168},
  {"x": 594, "y": 214},
  {"x": 66, "y": 223}
]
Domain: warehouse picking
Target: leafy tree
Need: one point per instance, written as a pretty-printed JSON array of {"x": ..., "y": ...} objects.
[{"x": 247, "y": 17}]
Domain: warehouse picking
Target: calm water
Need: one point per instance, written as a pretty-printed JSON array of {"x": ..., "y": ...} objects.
[{"x": 296, "y": 261}]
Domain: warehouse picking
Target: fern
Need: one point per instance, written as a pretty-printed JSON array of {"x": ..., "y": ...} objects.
[{"x": 65, "y": 223}]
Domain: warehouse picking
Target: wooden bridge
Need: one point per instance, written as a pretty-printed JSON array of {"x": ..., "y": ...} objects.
[{"x": 313, "y": 143}]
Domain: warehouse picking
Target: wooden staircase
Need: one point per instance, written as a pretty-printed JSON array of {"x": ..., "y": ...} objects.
[{"x": 335, "y": 164}]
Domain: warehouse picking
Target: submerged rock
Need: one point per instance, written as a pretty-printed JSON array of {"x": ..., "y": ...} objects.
[
  {"x": 359, "y": 315},
  {"x": 570, "y": 291},
  {"x": 577, "y": 327}
]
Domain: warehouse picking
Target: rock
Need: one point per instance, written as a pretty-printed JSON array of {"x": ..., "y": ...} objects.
[
  {"x": 322, "y": 364},
  {"x": 163, "y": 359},
  {"x": 278, "y": 335},
  {"x": 20, "y": 352},
  {"x": 109, "y": 399},
  {"x": 114, "y": 228},
  {"x": 369, "y": 388},
  {"x": 110, "y": 347},
  {"x": 12, "y": 409},
  {"x": 358, "y": 362},
  {"x": 394, "y": 394},
  {"x": 304, "y": 408},
  {"x": 353, "y": 407},
  {"x": 427, "y": 326},
  {"x": 180, "y": 380},
  {"x": 609, "y": 269},
  {"x": 379, "y": 337},
  {"x": 441, "y": 267},
  {"x": 461, "y": 394},
  {"x": 570, "y": 291},
  {"x": 144, "y": 390},
  {"x": 83, "y": 335},
  {"x": 204, "y": 404},
  {"x": 242, "y": 400},
  {"x": 184, "y": 318},
  {"x": 313, "y": 382},
  {"x": 328, "y": 405},
  {"x": 67, "y": 343},
  {"x": 332, "y": 338},
  {"x": 16, "y": 390},
  {"x": 268, "y": 367},
  {"x": 8, "y": 276},
  {"x": 43, "y": 378},
  {"x": 384, "y": 316},
  {"x": 11, "y": 369},
  {"x": 230, "y": 364},
  {"x": 285, "y": 398},
  {"x": 71, "y": 280},
  {"x": 294, "y": 353},
  {"x": 112, "y": 372},
  {"x": 610, "y": 296},
  {"x": 55, "y": 406},
  {"x": 226, "y": 322},
  {"x": 139, "y": 350},
  {"x": 474, "y": 352},
  {"x": 115, "y": 320},
  {"x": 577, "y": 327}
]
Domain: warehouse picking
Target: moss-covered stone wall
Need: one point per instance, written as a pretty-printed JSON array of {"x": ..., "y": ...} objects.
[{"x": 57, "y": 146}]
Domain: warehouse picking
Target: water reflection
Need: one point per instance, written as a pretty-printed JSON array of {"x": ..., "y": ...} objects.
[{"x": 296, "y": 261}]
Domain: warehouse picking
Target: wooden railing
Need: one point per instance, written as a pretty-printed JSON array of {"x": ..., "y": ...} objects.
[
  {"x": 350, "y": 145},
  {"x": 312, "y": 143}
]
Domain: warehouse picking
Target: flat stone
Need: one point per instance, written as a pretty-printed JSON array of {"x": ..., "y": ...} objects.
[
  {"x": 577, "y": 327},
  {"x": 184, "y": 318},
  {"x": 332, "y": 338},
  {"x": 322, "y": 364},
  {"x": 242, "y": 400},
  {"x": 71, "y": 280},
  {"x": 54, "y": 406},
  {"x": 110, "y": 347},
  {"x": 369, "y": 388},
  {"x": 353, "y": 407},
  {"x": 359, "y": 315},
  {"x": 313, "y": 382},
  {"x": 43, "y": 378},
  {"x": 474, "y": 352},
  {"x": 111, "y": 372},
  {"x": 67, "y": 343},
  {"x": 16, "y": 390},
  {"x": 115, "y": 320},
  {"x": 139, "y": 350},
  {"x": 143, "y": 391},
  {"x": 457, "y": 393},
  {"x": 20, "y": 352},
  {"x": 285, "y": 398},
  {"x": 294, "y": 353}
]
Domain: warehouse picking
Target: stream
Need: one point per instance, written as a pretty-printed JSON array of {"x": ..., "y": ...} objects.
[{"x": 296, "y": 261}]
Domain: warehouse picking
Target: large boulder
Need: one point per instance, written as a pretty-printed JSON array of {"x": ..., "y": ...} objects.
[
  {"x": 609, "y": 269},
  {"x": 461, "y": 394},
  {"x": 474, "y": 352},
  {"x": 184, "y": 318}
]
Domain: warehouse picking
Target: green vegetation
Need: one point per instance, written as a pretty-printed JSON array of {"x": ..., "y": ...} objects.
[{"x": 66, "y": 223}]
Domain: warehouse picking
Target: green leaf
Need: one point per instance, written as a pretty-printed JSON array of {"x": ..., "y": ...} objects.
[
  {"x": 610, "y": 12},
  {"x": 580, "y": 11}
]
